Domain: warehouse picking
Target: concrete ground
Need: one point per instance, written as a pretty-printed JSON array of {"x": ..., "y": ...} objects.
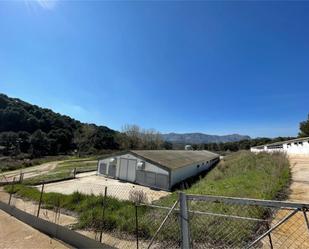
[
  {"x": 15, "y": 234},
  {"x": 89, "y": 183}
]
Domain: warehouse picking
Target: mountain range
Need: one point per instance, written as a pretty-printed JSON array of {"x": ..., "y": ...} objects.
[{"x": 200, "y": 138}]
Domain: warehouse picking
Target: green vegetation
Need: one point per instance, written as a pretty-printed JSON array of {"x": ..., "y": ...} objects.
[
  {"x": 31, "y": 131},
  {"x": 242, "y": 174},
  {"x": 239, "y": 145},
  {"x": 8, "y": 163},
  {"x": 304, "y": 128}
]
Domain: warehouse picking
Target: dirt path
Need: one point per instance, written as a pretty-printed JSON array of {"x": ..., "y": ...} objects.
[
  {"x": 300, "y": 179},
  {"x": 29, "y": 171},
  {"x": 16, "y": 234},
  {"x": 294, "y": 233}
]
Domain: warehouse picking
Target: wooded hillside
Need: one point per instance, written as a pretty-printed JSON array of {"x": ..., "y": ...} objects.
[{"x": 29, "y": 129}]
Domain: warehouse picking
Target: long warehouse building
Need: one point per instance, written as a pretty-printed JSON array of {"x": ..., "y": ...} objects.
[
  {"x": 299, "y": 146},
  {"x": 161, "y": 169}
]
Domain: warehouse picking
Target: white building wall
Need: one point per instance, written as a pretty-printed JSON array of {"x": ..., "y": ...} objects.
[
  {"x": 290, "y": 148},
  {"x": 297, "y": 148},
  {"x": 188, "y": 171},
  {"x": 148, "y": 166}
]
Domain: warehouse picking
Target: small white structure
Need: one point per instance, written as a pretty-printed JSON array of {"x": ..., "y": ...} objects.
[
  {"x": 299, "y": 146},
  {"x": 160, "y": 169}
]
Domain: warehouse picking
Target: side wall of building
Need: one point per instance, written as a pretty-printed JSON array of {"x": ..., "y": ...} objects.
[
  {"x": 183, "y": 173},
  {"x": 290, "y": 148}
]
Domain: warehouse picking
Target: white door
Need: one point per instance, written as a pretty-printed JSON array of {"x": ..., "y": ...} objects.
[
  {"x": 123, "y": 169},
  {"x": 131, "y": 170}
]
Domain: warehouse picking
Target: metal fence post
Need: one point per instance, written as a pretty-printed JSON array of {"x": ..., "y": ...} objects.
[
  {"x": 136, "y": 224},
  {"x": 21, "y": 177},
  {"x": 184, "y": 222},
  {"x": 11, "y": 192},
  {"x": 40, "y": 201},
  {"x": 103, "y": 213}
]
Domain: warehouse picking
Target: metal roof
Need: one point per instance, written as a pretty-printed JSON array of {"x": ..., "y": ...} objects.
[
  {"x": 174, "y": 159},
  {"x": 285, "y": 142}
]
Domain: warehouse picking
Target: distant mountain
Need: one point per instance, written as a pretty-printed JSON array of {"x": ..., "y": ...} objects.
[{"x": 199, "y": 138}]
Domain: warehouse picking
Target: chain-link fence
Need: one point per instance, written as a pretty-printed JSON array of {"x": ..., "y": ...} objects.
[
  {"x": 221, "y": 222},
  {"x": 127, "y": 217}
]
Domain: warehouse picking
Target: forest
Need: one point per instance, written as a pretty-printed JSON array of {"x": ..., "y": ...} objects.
[{"x": 29, "y": 129}]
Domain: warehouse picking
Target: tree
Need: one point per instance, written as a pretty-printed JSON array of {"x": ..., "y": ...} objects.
[
  {"x": 133, "y": 137},
  {"x": 40, "y": 145},
  {"x": 304, "y": 128}
]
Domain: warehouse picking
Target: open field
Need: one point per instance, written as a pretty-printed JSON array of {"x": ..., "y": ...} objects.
[
  {"x": 30, "y": 172},
  {"x": 9, "y": 164},
  {"x": 51, "y": 171}
]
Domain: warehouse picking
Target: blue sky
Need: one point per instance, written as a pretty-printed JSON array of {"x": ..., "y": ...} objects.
[{"x": 215, "y": 67}]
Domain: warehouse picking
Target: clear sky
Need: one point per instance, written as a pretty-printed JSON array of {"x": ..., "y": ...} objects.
[{"x": 217, "y": 67}]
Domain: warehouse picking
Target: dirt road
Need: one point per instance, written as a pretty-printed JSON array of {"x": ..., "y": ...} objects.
[
  {"x": 294, "y": 233},
  {"x": 30, "y": 171},
  {"x": 16, "y": 234},
  {"x": 300, "y": 178}
]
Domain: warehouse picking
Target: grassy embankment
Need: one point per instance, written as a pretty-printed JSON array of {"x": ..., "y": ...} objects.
[{"x": 242, "y": 174}]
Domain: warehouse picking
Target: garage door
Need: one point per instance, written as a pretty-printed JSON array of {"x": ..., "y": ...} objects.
[
  {"x": 112, "y": 171},
  {"x": 127, "y": 169},
  {"x": 102, "y": 168}
]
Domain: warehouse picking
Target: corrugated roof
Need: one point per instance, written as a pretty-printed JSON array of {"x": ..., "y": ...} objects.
[{"x": 174, "y": 159}]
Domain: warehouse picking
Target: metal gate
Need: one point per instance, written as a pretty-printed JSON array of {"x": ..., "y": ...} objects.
[
  {"x": 225, "y": 222},
  {"x": 228, "y": 222}
]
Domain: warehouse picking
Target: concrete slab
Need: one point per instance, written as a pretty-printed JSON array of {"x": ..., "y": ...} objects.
[{"x": 93, "y": 184}]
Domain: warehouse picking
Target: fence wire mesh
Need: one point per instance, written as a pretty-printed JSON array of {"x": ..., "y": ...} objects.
[
  {"x": 221, "y": 224},
  {"x": 125, "y": 216}
]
